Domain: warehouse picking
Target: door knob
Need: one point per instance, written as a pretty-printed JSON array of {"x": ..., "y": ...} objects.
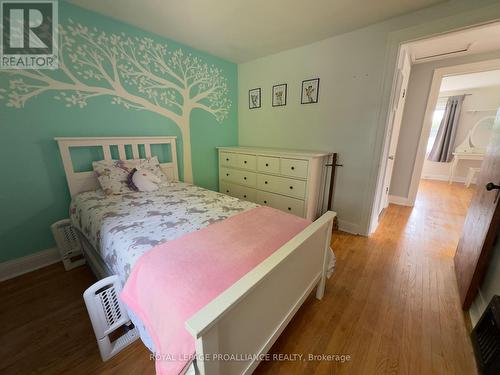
[
  {"x": 491, "y": 186},
  {"x": 390, "y": 157}
]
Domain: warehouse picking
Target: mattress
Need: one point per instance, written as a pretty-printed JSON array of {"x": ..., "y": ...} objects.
[{"x": 121, "y": 228}]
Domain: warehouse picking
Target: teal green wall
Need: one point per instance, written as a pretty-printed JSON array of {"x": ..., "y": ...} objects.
[{"x": 33, "y": 191}]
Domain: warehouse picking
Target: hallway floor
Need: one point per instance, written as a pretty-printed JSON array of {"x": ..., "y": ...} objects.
[
  {"x": 392, "y": 306},
  {"x": 393, "y": 303}
]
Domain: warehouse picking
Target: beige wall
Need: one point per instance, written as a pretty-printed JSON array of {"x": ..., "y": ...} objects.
[
  {"x": 413, "y": 117},
  {"x": 356, "y": 71},
  {"x": 489, "y": 287}
]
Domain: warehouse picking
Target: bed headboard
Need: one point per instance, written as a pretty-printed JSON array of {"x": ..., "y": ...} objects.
[{"x": 84, "y": 181}]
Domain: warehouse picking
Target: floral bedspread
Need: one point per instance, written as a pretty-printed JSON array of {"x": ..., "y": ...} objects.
[{"x": 123, "y": 227}]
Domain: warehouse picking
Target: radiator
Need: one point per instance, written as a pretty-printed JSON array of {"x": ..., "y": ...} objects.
[{"x": 486, "y": 339}]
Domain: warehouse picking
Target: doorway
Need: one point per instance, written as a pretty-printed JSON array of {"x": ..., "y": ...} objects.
[
  {"x": 431, "y": 60},
  {"x": 465, "y": 109},
  {"x": 478, "y": 86}
]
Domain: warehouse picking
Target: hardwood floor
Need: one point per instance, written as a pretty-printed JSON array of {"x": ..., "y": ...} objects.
[{"x": 392, "y": 306}]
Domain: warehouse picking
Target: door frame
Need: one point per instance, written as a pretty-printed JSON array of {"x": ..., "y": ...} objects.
[
  {"x": 379, "y": 192},
  {"x": 396, "y": 40},
  {"x": 391, "y": 136},
  {"x": 439, "y": 73}
]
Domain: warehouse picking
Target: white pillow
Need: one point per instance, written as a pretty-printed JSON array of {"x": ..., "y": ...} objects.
[
  {"x": 113, "y": 174},
  {"x": 144, "y": 180},
  {"x": 152, "y": 164}
]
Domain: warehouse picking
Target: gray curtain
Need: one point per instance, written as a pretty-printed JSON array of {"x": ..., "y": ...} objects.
[{"x": 442, "y": 150}]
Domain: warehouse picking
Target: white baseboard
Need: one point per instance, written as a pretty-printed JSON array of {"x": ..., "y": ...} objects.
[
  {"x": 348, "y": 227},
  {"x": 401, "y": 201},
  {"x": 17, "y": 267},
  {"x": 443, "y": 177}
]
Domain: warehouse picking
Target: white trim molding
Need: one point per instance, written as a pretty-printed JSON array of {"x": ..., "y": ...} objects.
[
  {"x": 400, "y": 201},
  {"x": 20, "y": 266},
  {"x": 445, "y": 177}
]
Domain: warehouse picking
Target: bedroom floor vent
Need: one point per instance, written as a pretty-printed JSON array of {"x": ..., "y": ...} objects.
[
  {"x": 112, "y": 326},
  {"x": 486, "y": 339},
  {"x": 68, "y": 244}
]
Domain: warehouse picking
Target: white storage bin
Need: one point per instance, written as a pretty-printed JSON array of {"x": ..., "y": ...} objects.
[
  {"x": 112, "y": 327},
  {"x": 68, "y": 244}
]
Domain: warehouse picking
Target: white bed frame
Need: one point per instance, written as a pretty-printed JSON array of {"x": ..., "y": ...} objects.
[
  {"x": 85, "y": 181},
  {"x": 247, "y": 318}
]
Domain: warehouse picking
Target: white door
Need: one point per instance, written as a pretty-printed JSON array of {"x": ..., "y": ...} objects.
[{"x": 396, "y": 115}]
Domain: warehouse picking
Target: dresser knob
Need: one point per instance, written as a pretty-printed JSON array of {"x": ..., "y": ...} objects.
[
  {"x": 244, "y": 178},
  {"x": 267, "y": 164},
  {"x": 244, "y": 196},
  {"x": 291, "y": 187},
  {"x": 227, "y": 191},
  {"x": 227, "y": 159},
  {"x": 227, "y": 174},
  {"x": 265, "y": 202},
  {"x": 245, "y": 162},
  {"x": 265, "y": 182},
  {"x": 289, "y": 208},
  {"x": 293, "y": 168}
]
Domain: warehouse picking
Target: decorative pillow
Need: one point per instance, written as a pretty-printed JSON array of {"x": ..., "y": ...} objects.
[
  {"x": 112, "y": 175},
  {"x": 130, "y": 182},
  {"x": 153, "y": 165},
  {"x": 143, "y": 180}
]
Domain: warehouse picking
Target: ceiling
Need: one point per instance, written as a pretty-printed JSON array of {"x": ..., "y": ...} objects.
[
  {"x": 241, "y": 31},
  {"x": 465, "y": 42},
  {"x": 470, "y": 81}
]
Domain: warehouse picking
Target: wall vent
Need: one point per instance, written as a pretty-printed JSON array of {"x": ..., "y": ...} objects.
[
  {"x": 486, "y": 339},
  {"x": 438, "y": 56}
]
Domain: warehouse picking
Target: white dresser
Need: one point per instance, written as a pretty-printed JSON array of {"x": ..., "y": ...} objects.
[{"x": 290, "y": 180}]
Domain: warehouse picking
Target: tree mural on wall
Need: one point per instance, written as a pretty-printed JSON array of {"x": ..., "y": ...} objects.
[{"x": 135, "y": 72}]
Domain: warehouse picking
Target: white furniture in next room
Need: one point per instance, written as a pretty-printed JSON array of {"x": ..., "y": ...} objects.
[
  {"x": 290, "y": 180},
  {"x": 474, "y": 145},
  {"x": 458, "y": 156},
  {"x": 471, "y": 175}
]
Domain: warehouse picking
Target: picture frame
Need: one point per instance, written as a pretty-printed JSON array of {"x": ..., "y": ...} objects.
[
  {"x": 310, "y": 91},
  {"x": 279, "y": 95},
  {"x": 254, "y": 98}
]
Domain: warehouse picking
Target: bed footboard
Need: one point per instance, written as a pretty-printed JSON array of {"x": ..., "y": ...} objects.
[{"x": 235, "y": 331}]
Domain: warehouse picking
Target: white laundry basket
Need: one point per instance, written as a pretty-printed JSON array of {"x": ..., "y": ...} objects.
[
  {"x": 68, "y": 244},
  {"x": 108, "y": 315}
]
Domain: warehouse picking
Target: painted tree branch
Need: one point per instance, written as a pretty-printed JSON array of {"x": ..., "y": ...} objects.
[{"x": 137, "y": 73}]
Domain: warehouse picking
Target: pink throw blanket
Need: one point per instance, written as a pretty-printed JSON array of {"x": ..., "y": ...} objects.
[{"x": 174, "y": 280}]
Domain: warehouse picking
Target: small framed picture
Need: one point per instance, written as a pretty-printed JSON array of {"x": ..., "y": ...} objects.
[
  {"x": 254, "y": 98},
  {"x": 310, "y": 91},
  {"x": 279, "y": 95}
]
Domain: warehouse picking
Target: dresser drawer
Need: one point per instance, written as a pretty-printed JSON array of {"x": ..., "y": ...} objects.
[
  {"x": 227, "y": 188},
  {"x": 228, "y": 159},
  {"x": 287, "y": 204},
  {"x": 281, "y": 185},
  {"x": 239, "y": 177},
  {"x": 294, "y": 167},
  {"x": 238, "y": 191},
  {"x": 245, "y": 161},
  {"x": 268, "y": 164}
]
